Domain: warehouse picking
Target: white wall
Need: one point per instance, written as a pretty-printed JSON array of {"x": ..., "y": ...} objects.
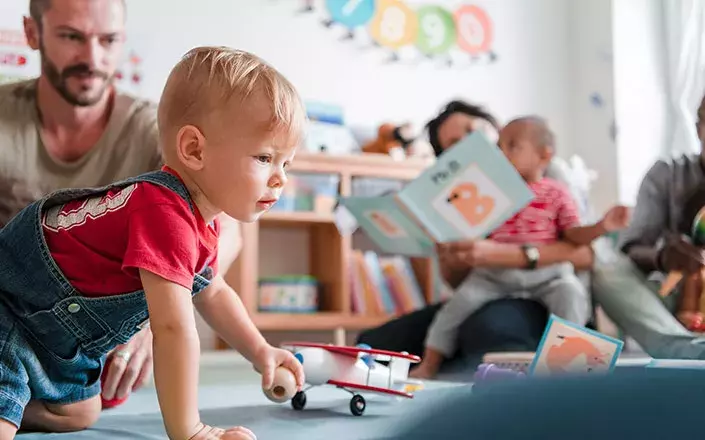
[
  {"x": 592, "y": 95},
  {"x": 640, "y": 90},
  {"x": 531, "y": 75}
]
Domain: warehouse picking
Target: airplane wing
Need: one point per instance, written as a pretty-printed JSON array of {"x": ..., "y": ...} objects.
[
  {"x": 355, "y": 351},
  {"x": 370, "y": 389}
]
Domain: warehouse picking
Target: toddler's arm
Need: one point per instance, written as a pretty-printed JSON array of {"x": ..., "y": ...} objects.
[
  {"x": 223, "y": 310},
  {"x": 615, "y": 219},
  {"x": 176, "y": 354},
  {"x": 584, "y": 235}
]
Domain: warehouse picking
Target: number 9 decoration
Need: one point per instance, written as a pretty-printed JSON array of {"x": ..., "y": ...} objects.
[
  {"x": 436, "y": 30},
  {"x": 474, "y": 30},
  {"x": 394, "y": 24}
]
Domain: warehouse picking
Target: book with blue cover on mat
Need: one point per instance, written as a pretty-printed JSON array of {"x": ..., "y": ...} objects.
[{"x": 470, "y": 191}]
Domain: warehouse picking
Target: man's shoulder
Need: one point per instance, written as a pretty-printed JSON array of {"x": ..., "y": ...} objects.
[
  {"x": 676, "y": 164},
  {"x": 134, "y": 127},
  {"x": 139, "y": 110},
  {"x": 17, "y": 100}
]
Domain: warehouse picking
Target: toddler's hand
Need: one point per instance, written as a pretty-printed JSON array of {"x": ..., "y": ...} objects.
[
  {"x": 616, "y": 218},
  {"x": 235, "y": 433},
  {"x": 268, "y": 358}
]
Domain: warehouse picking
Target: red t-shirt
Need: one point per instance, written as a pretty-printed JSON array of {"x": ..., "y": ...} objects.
[
  {"x": 101, "y": 242},
  {"x": 552, "y": 211}
]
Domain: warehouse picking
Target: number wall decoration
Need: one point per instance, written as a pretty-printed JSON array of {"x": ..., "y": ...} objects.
[{"x": 451, "y": 35}]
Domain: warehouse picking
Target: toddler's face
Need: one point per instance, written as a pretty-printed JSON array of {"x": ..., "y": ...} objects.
[
  {"x": 518, "y": 144},
  {"x": 245, "y": 166}
]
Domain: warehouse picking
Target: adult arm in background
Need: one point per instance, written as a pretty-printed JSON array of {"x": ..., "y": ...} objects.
[
  {"x": 650, "y": 242},
  {"x": 458, "y": 258},
  {"x": 649, "y": 220}
]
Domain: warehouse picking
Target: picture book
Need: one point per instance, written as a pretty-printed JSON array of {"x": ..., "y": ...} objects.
[
  {"x": 567, "y": 347},
  {"x": 470, "y": 191}
]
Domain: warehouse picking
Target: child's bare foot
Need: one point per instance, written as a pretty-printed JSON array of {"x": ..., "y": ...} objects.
[{"x": 236, "y": 433}]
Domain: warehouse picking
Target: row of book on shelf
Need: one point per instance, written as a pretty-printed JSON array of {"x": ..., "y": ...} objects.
[{"x": 383, "y": 285}]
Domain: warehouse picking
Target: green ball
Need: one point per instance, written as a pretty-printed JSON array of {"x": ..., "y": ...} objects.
[{"x": 436, "y": 32}]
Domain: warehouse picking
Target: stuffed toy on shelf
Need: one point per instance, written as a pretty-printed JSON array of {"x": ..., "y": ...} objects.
[{"x": 399, "y": 141}]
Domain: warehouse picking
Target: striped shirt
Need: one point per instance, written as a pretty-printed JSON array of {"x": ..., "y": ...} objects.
[{"x": 551, "y": 212}]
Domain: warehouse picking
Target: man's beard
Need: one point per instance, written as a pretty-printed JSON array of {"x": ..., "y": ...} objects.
[{"x": 58, "y": 80}]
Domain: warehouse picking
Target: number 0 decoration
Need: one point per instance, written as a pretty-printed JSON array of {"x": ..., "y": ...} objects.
[{"x": 433, "y": 31}]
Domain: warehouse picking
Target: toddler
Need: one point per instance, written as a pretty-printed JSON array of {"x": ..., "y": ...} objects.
[
  {"x": 84, "y": 269},
  {"x": 528, "y": 143}
]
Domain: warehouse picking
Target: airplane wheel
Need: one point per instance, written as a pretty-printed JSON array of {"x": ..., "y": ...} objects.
[
  {"x": 298, "y": 402},
  {"x": 357, "y": 405}
]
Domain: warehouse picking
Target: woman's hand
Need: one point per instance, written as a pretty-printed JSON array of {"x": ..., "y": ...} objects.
[
  {"x": 130, "y": 367},
  {"x": 449, "y": 258}
]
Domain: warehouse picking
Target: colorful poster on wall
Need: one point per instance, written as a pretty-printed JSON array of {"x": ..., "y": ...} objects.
[
  {"x": 17, "y": 60},
  {"x": 455, "y": 35}
]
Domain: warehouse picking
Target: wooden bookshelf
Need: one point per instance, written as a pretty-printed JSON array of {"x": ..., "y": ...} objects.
[{"x": 329, "y": 251}]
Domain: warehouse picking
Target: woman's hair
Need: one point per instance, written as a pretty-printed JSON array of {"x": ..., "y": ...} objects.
[{"x": 455, "y": 106}]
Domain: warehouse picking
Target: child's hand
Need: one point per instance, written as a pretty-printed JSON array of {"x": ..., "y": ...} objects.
[
  {"x": 269, "y": 358},
  {"x": 616, "y": 218},
  {"x": 236, "y": 433}
]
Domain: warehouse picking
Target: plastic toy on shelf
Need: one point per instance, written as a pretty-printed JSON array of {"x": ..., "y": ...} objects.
[{"x": 355, "y": 370}]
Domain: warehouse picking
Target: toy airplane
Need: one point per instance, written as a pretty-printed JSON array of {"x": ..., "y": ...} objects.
[{"x": 354, "y": 369}]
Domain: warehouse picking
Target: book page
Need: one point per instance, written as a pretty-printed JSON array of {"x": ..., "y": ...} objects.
[
  {"x": 470, "y": 191},
  {"x": 388, "y": 226}
]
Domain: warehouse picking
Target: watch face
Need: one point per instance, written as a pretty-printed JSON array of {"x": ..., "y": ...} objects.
[{"x": 532, "y": 253}]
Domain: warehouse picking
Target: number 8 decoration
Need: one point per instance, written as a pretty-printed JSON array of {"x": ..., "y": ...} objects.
[{"x": 394, "y": 25}]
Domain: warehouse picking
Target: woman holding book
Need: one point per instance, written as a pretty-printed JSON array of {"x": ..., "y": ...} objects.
[{"x": 503, "y": 325}]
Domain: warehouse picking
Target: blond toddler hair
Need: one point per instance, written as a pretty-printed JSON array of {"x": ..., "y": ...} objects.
[{"x": 210, "y": 82}]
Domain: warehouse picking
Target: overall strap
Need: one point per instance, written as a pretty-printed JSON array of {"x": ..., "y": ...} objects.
[{"x": 163, "y": 178}]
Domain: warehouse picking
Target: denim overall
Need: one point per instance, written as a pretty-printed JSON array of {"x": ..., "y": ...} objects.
[{"x": 53, "y": 340}]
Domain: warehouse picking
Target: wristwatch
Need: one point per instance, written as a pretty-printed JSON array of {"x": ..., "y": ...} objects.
[{"x": 532, "y": 256}]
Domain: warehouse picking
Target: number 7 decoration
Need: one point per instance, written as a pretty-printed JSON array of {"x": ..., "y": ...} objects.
[{"x": 349, "y": 13}]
